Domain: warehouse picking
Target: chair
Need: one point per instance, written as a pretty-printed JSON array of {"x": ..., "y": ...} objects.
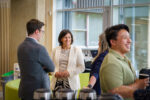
[
  {"x": 11, "y": 90},
  {"x": 84, "y": 79}
]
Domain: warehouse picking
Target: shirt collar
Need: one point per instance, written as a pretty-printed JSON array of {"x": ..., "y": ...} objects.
[
  {"x": 116, "y": 54},
  {"x": 33, "y": 39}
]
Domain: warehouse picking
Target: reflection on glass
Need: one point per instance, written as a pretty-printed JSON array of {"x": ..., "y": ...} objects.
[
  {"x": 138, "y": 24},
  {"x": 79, "y": 38},
  {"x": 107, "y": 2},
  {"x": 59, "y": 26},
  {"x": 95, "y": 28},
  {"x": 136, "y": 1},
  {"x": 78, "y": 21},
  {"x": 86, "y": 19},
  {"x": 119, "y": 2}
]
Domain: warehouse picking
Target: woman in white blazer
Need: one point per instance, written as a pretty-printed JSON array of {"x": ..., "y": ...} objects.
[{"x": 69, "y": 63}]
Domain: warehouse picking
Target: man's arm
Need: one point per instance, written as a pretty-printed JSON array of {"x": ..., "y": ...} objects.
[
  {"x": 127, "y": 91},
  {"x": 112, "y": 79},
  {"x": 45, "y": 60}
]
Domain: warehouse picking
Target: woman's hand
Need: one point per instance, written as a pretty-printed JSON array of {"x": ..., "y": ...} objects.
[
  {"x": 65, "y": 74},
  {"x": 58, "y": 75}
]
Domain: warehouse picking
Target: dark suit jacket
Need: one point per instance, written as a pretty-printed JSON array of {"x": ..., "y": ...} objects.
[{"x": 34, "y": 63}]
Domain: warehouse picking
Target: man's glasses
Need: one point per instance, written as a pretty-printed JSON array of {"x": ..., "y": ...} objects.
[{"x": 43, "y": 31}]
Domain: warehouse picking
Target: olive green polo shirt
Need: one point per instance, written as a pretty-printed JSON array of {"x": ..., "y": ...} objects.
[{"x": 115, "y": 71}]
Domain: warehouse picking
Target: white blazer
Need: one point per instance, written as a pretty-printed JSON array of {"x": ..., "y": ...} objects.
[{"x": 75, "y": 66}]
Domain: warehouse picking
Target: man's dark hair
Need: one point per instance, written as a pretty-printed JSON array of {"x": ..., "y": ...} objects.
[
  {"x": 62, "y": 34},
  {"x": 112, "y": 32},
  {"x": 33, "y": 25}
]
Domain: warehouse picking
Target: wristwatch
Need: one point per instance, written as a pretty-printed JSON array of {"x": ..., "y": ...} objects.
[{"x": 89, "y": 85}]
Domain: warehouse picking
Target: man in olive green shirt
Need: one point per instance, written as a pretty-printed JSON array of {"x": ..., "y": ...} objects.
[{"x": 116, "y": 73}]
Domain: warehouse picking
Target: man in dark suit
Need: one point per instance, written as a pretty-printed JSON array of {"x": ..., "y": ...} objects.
[{"x": 34, "y": 61}]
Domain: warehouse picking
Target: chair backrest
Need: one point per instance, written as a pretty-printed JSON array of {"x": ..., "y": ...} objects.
[{"x": 84, "y": 79}]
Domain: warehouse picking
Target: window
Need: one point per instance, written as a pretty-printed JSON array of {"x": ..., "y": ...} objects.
[
  {"x": 85, "y": 23},
  {"x": 139, "y": 30},
  {"x": 87, "y": 19},
  {"x": 138, "y": 24}
]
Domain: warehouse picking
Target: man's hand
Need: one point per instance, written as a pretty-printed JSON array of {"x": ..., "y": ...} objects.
[
  {"x": 142, "y": 83},
  {"x": 127, "y": 91}
]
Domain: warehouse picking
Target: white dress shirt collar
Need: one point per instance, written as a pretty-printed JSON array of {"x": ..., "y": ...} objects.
[{"x": 33, "y": 39}]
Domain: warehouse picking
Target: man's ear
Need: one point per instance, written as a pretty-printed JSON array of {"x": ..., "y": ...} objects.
[
  {"x": 112, "y": 42},
  {"x": 37, "y": 31}
]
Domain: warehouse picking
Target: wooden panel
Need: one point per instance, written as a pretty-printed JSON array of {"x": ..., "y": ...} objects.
[{"x": 4, "y": 35}]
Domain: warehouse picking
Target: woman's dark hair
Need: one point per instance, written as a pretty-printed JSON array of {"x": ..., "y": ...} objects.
[
  {"x": 62, "y": 34},
  {"x": 112, "y": 32},
  {"x": 33, "y": 25}
]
